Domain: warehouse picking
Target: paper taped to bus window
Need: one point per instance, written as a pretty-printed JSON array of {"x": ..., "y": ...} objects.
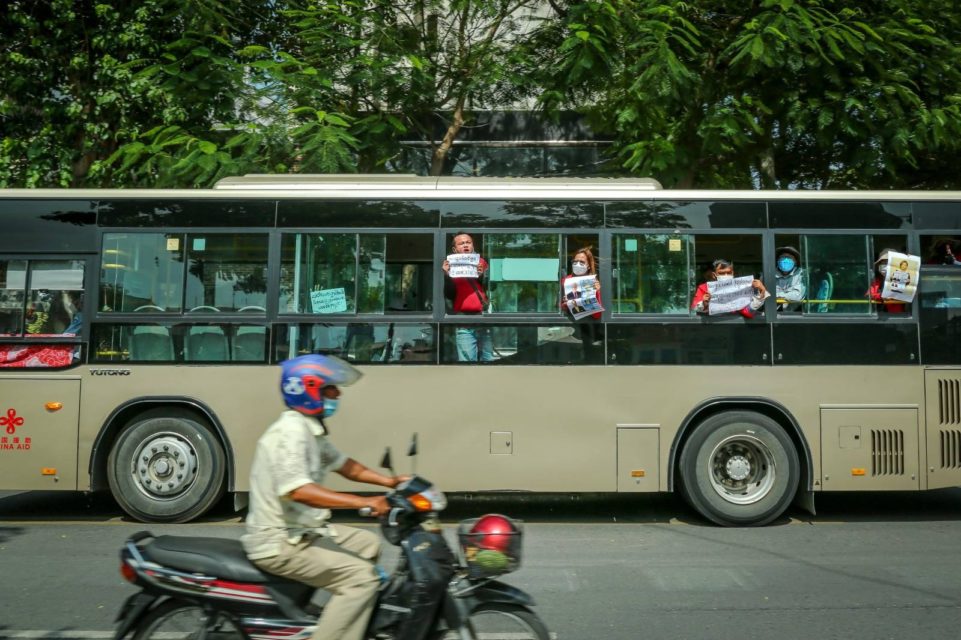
[
  {"x": 328, "y": 301},
  {"x": 730, "y": 296},
  {"x": 901, "y": 282},
  {"x": 463, "y": 265}
]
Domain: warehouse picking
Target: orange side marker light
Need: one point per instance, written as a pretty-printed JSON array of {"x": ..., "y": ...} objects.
[{"x": 53, "y": 406}]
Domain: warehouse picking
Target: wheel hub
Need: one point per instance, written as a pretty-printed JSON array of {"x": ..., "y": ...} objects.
[
  {"x": 165, "y": 465},
  {"x": 742, "y": 469},
  {"x": 738, "y": 467}
]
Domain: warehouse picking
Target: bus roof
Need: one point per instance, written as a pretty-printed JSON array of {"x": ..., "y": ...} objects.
[{"x": 411, "y": 187}]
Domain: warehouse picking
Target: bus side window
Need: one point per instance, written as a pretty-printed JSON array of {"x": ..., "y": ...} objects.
[
  {"x": 524, "y": 271},
  {"x": 835, "y": 272},
  {"x": 652, "y": 273}
]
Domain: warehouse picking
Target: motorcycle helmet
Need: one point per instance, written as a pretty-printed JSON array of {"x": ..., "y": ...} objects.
[
  {"x": 302, "y": 379},
  {"x": 493, "y": 532}
]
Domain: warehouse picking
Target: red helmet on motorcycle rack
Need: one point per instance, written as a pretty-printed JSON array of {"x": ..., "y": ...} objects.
[
  {"x": 491, "y": 545},
  {"x": 493, "y": 532}
]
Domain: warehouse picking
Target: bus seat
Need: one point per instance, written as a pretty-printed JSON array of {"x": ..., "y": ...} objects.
[
  {"x": 824, "y": 293},
  {"x": 206, "y": 343},
  {"x": 151, "y": 343},
  {"x": 249, "y": 344}
]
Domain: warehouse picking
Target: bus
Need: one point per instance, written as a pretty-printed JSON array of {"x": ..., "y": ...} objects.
[{"x": 140, "y": 332}]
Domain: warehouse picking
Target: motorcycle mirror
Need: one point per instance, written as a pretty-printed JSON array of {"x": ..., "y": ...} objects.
[
  {"x": 412, "y": 452},
  {"x": 412, "y": 449},
  {"x": 386, "y": 462}
]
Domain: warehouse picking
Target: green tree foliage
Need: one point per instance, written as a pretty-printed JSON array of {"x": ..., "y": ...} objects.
[
  {"x": 157, "y": 93},
  {"x": 404, "y": 68},
  {"x": 772, "y": 93}
]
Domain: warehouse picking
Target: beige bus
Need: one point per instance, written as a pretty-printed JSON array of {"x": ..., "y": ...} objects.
[{"x": 140, "y": 331}]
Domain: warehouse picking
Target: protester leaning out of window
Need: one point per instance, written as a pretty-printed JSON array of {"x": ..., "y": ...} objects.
[
  {"x": 468, "y": 297},
  {"x": 790, "y": 286},
  {"x": 877, "y": 286},
  {"x": 588, "y": 327},
  {"x": 722, "y": 270}
]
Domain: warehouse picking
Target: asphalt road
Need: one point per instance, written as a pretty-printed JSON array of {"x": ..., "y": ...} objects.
[{"x": 867, "y": 566}]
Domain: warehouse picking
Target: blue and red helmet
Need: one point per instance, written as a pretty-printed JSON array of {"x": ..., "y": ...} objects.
[{"x": 303, "y": 378}]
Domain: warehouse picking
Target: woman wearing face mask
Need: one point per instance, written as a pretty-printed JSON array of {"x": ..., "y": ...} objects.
[
  {"x": 790, "y": 279},
  {"x": 877, "y": 286},
  {"x": 583, "y": 264},
  {"x": 723, "y": 270}
]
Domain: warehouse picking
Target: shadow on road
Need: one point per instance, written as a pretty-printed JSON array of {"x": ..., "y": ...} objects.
[
  {"x": 6, "y": 533},
  {"x": 645, "y": 508}
]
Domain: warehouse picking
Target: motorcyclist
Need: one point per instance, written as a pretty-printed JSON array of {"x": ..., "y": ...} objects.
[{"x": 288, "y": 525}]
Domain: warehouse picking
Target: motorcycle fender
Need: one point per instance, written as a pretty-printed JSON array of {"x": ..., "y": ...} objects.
[
  {"x": 132, "y": 611},
  {"x": 495, "y": 591},
  {"x": 457, "y": 608}
]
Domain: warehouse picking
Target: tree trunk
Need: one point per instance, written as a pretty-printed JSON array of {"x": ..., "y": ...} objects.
[{"x": 440, "y": 152}]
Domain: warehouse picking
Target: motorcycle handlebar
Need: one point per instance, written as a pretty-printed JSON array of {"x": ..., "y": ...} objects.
[{"x": 365, "y": 512}]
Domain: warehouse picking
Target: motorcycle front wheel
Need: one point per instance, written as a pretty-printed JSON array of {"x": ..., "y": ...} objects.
[
  {"x": 179, "y": 620},
  {"x": 496, "y": 620}
]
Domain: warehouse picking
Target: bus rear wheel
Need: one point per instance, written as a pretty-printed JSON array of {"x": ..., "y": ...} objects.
[
  {"x": 739, "y": 468},
  {"x": 166, "y": 469}
]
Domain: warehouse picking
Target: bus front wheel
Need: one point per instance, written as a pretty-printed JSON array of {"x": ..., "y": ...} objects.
[
  {"x": 166, "y": 469},
  {"x": 739, "y": 468}
]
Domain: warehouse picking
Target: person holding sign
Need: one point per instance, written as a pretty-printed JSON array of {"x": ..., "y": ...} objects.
[
  {"x": 877, "y": 286},
  {"x": 463, "y": 273},
  {"x": 743, "y": 295},
  {"x": 583, "y": 266}
]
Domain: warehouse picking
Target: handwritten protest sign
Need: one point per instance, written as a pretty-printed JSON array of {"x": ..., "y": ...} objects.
[
  {"x": 463, "y": 265},
  {"x": 729, "y": 296},
  {"x": 580, "y": 296},
  {"x": 901, "y": 281},
  {"x": 328, "y": 301}
]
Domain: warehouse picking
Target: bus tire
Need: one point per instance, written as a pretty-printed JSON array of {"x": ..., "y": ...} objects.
[
  {"x": 739, "y": 468},
  {"x": 166, "y": 469}
]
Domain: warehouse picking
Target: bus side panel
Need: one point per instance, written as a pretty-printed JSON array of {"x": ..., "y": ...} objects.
[
  {"x": 38, "y": 432},
  {"x": 943, "y": 427}
]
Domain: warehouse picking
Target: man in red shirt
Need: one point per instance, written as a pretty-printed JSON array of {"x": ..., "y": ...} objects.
[{"x": 468, "y": 297}]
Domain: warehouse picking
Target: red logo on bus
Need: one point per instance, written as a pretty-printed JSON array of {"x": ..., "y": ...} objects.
[{"x": 11, "y": 421}]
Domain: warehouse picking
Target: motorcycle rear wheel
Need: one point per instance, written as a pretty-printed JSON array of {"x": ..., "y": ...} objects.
[
  {"x": 497, "y": 620},
  {"x": 180, "y": 620}
]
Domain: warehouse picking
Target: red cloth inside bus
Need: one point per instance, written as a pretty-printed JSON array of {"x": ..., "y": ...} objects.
[{"x": 37, "y": 355}]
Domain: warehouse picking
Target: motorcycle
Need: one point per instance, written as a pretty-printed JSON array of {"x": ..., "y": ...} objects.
[{"x": 205, "y": 588}]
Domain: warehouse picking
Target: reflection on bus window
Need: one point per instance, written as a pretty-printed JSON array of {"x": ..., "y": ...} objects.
[
  {"x": 154, "y": 343},
  {"x": 55, "y": 297},
  {"x": 525, "y": 269},
  {"x": 13, "y": 280},
  {"x": 360, "y": 342},
  {"x": 837, "y": 269},
  {"x": 652, "y": 273},
  {"x": 142, "y": 272},
  {"x": 356, "y": 273},
  {"x": 525, "y": 344},
  {"x": 227, "y": 272}
]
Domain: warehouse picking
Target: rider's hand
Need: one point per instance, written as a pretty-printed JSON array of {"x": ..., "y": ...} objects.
[{"x": 378, "y": 505}]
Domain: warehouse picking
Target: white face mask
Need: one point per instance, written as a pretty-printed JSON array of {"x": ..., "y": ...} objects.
[
  {"x": 883, "y": 270},
  {"x": 724, "y": 278},
  {"x": 579, "y": 268}
]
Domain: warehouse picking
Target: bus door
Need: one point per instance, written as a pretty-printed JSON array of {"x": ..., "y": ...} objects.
[
  {"x": 940, "y": 319},
  {"x": 42, "y": 331}
]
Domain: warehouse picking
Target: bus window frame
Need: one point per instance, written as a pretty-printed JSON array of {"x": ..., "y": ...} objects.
[{"x": 910, "y": 238}]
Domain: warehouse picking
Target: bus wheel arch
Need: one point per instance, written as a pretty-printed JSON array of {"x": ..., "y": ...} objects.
[
  {"x": 740, "y": 463},
  {"x": 163, "y": 460}
]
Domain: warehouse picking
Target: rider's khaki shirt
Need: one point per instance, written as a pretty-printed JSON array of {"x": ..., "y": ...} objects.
[{"x": 294, "y": 451}]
